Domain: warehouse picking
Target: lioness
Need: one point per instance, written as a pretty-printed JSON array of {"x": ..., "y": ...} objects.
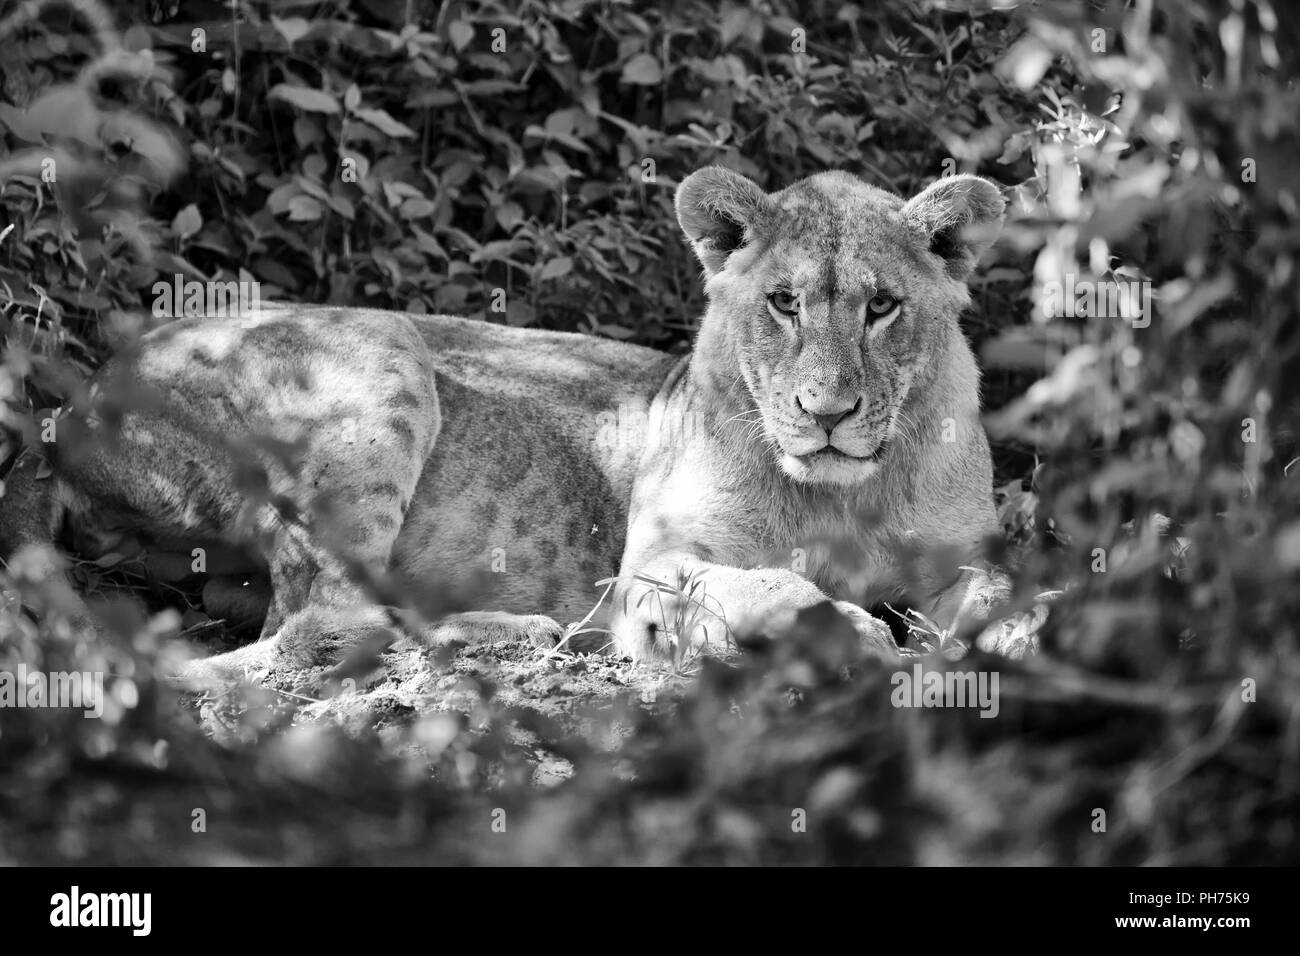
[{"x": 826, "y": 422}]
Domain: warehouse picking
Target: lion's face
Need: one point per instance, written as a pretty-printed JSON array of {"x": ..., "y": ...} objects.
[{"x": 831, "y": 299}]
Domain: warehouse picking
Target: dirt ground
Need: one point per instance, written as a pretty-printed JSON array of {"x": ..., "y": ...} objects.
[{"x": 399, "y": 694}]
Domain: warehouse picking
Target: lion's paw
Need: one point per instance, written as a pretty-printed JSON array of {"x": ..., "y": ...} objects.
[
  {"x": 495, "y": 627},
  {"x": 1015, "y": 636},
  {"x": 222, "y": 672},
  {"x": 873, "y": 633}
]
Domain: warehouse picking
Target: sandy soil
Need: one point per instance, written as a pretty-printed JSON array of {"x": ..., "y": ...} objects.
[{"x": 575, "y": 694}]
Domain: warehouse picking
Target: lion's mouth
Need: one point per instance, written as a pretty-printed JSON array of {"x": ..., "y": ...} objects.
[{"x": 829, "y": 452}]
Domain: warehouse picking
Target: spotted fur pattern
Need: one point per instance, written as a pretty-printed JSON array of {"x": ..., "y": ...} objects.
[{"x": 369, "y": 458}]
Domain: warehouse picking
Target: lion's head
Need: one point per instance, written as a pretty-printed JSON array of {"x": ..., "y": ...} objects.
[{"x": 831, "y": 300}]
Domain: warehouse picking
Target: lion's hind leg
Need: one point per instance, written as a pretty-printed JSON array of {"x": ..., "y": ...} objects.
[
  {"x": 332, "y": 515},
  {"x": 493, "y": 627}
]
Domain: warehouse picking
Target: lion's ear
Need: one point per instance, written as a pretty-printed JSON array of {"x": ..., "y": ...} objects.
[
  {"x": 718, "y": 211},
  {"x": 961, "y": 215}
]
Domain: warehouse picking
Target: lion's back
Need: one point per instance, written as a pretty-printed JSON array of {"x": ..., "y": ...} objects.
[{"x": 528, "y": 480}]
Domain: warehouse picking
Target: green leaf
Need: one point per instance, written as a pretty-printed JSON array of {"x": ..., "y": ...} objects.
[
  {"x": 642, "y": 70},
  {"x": 735, "y": 22},
  {"x": 556, "y": 268},
  {"x": 1026, "y": 62},
  {"x": 381, "y": 121},
  {"x": 313, "y": 101},
  {"x": 418, "y": 208},
  {"x": 509, "y": 215},
  {"x": 292, "y": 29},
  {"x": 615, "y": 331},
  {"x": 519, "y": 313},
  {"x": 343, "y": 206},
  {"x": 304, "y": 209},
  {"x": 460, "y": 33},
  {"x": 187, "y": 222}
]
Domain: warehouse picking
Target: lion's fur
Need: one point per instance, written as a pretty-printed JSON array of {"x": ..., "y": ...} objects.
[
  {"x": 530, "y": 464},
  {"x": 730, "y": 496}
]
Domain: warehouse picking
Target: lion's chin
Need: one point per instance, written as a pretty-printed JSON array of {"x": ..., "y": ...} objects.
[{"x": 829, "y": 468}]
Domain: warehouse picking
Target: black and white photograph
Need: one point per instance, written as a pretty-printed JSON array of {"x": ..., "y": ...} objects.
[{"x": 592, "y": 433}]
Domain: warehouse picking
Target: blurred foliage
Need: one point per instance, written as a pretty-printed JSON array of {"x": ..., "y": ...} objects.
[
  {"x": 546, "y": 169},
  {"x": 1152, "y": 468}
]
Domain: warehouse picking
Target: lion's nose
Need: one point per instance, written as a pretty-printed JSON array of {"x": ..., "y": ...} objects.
[{"x": 828, "y": 418}]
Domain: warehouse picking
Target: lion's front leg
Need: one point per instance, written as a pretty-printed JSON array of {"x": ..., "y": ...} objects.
[
  {"x": 976, "y": 600},
  {"x": 679, "y": 605}
]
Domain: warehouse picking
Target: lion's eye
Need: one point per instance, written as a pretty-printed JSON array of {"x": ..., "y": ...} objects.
[
  {"x": 784, "y": 302},
  {"x": 880, "y": 305}
]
